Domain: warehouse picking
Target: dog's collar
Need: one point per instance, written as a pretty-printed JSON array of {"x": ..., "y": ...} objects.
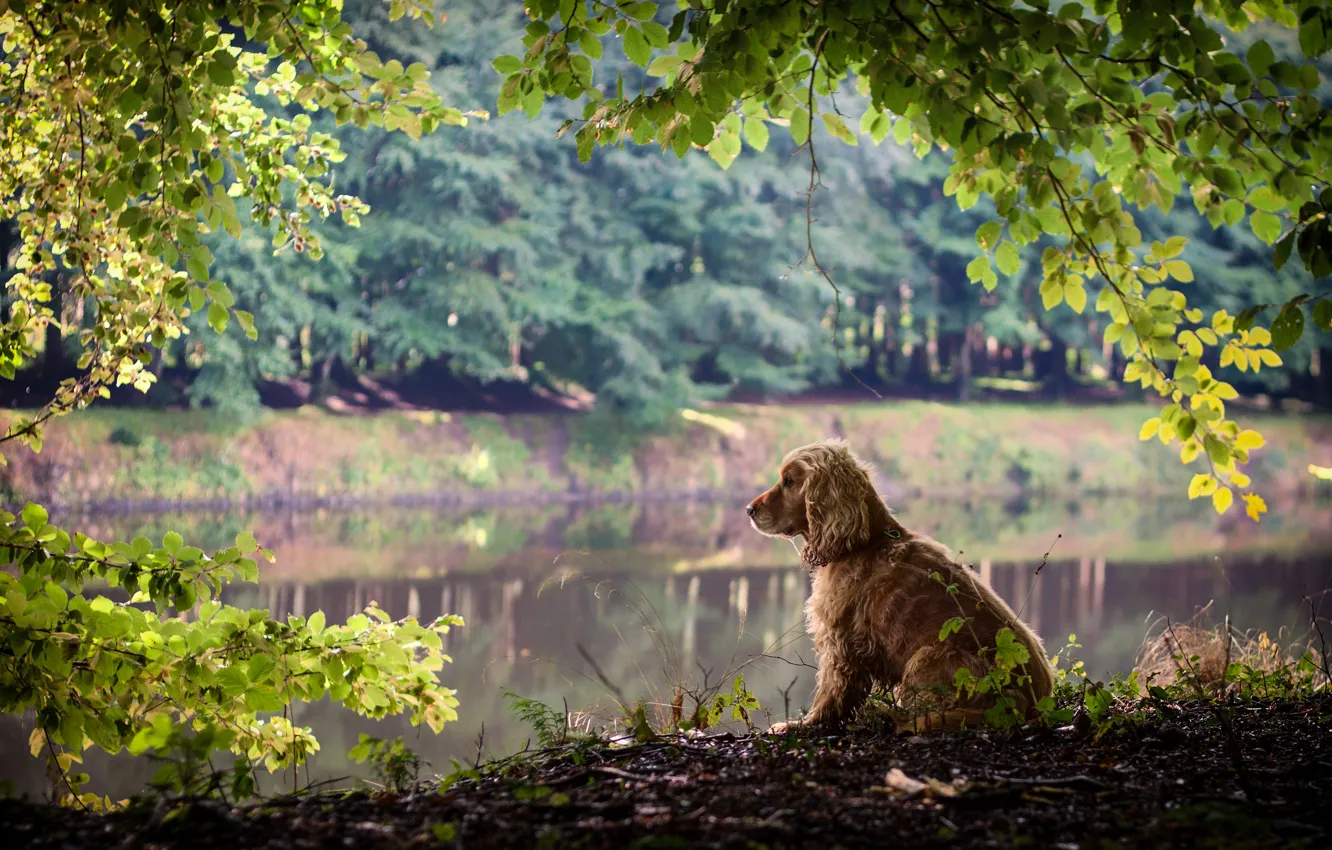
[{"x": 813, "y": 563}]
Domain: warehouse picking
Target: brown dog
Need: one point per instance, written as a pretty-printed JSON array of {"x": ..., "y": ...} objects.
[{"x": 881, "y": 596}]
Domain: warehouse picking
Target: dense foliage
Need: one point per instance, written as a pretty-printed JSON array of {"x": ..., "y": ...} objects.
[
  {"x": 1062, "y": 117},
  {"x": 493, "y": 254},
  {"x": 129, "y": 134}
]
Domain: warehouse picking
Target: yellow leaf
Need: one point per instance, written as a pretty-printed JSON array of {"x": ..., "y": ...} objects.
[
  {"x": 1149, "y": 428},
  {"x": 1254, "y": 506},
  {"x": 1224, "y": 390},
  {"x": 1189, "y": 452},
  {"x": 1179, "y": 270},
  {"x": 1323, "y": 472},
  {"x": 1269, "y": 357},
  {"x": 1221, "y": 499},
  {"x": 1207, "y": 335},
  {"x": 1227, "y": 355},
  {"x": 1250, "y": 440},
  {"x": 1239, "y": 479},
  {"x": 1076, "y": 296},
  {"x": 1241, "y": 359},
  {"x": 1259, "y": 336},
  {"x": 1201, "y": 485},
  {"x": 36, "y": 741},
  {"x": 1191, "y": 343}
]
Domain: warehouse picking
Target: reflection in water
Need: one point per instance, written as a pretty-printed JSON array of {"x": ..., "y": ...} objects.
[{"x": 683, "y": 596}]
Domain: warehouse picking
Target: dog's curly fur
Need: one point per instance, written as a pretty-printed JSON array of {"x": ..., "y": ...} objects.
[{"x": 876, "y": 610}]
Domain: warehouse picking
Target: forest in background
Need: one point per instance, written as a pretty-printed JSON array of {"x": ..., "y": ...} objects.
[{"x": 642, "y": 283}]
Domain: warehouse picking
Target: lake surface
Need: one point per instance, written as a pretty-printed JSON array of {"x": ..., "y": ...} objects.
[{"x": 662, "y": 594}]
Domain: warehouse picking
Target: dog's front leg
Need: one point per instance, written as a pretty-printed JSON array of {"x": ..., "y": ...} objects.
[{"x": 838, "y": 691}]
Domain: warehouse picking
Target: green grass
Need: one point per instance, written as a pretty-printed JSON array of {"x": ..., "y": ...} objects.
[{"x": 919, "y": 447}]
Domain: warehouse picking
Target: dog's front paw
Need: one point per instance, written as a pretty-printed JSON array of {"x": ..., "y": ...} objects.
[{"x": 786, "y": 726}]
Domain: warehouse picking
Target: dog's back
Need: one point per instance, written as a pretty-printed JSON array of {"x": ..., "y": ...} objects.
[{"x": 907, "y": 616}]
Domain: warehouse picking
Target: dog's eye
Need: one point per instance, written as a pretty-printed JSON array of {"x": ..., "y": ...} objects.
[{"x": 786, "y": 481}]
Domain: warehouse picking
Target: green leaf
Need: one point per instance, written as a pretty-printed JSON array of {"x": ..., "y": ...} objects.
[
  {"x": 636, "y": 47},
  {"x": 951, "y": 626},
  {"x": 988, "y": 234},
  {"x": 902, "y": 130},
  {"x": 977, "y": 267},
  {"x": 508, "y": 64},
  {"x": 1287, "y": 327},
  {"x": 116, "y": 194},
  {"x": 197, "y": 265},
  {"x": 260, "y": 668},
  {"x": 724, "y": 148},
  {"x": 640, "y": 11},
  {"x": 218, "y": 317},
  {"x": 656, "y": 35},
  {"x": 1266, "y": 199},
  {"x": 1266, "y": 226},
  {"x": 1283, "y": 248},
  {"x": 34, "y": 516},
  {"x": 1260, "y": 58},
  {"x": 1007, "y": 259},
  {"x": 221, "y": 73},
  {"x": 172, "y": 542},
  {"x": 1322, "y": 314},
  {"x": 756, "y": 133},
  {"x": 837, "y": 127},
  {"x": 663, "y": 65},
  {"x": 227, "y": 209},
  {"x": 800, "y": 126},
  {"x": 246, "y": 321},
  {"x": 590, "y": 44}
]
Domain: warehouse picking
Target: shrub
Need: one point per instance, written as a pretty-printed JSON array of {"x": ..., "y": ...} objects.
[{"x": 116, "y": 675}]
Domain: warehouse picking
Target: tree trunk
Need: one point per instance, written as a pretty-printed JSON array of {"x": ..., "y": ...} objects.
[
  {"x": 948, "y": 346},
  {"x": 918, "y": 370},
  {"x": 964, "y": 367},
  {"x": 981, "y": 364},
  {"x": 1052, "y": 368},
  {"x": 323, "y": 374}
]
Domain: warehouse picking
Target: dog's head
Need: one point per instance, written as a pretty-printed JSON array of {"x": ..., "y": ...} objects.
[{"x": 823, "y": 494}]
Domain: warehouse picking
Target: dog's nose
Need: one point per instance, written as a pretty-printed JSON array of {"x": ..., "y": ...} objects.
[{"x": 749, "y": 510}]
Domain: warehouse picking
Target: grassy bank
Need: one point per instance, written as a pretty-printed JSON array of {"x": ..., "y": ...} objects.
[{"x": 128, "y": 456}]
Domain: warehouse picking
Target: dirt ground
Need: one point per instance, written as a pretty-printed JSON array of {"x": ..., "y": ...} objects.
[{"x": 1168, "y": 781}]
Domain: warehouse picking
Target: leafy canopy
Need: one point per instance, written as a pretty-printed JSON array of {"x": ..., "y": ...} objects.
[
  {"x": 127, "y": 132},
  {"x": 1065, "y": 117}
]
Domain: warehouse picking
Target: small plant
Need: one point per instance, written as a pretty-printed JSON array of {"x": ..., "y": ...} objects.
[
  {"x": 709, "y": 711},
  {"x": 459, "y": 772},
  {"x": 395, "y": 765},
  {"x": 551, "y": 726},
  {"x": 1005, "y": 673}
]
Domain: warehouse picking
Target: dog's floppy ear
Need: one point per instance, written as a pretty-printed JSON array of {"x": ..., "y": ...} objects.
[{"x": 840, "y": 504}]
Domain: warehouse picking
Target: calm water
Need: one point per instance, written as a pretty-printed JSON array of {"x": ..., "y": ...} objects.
[{"x": 660, "y": 594}]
